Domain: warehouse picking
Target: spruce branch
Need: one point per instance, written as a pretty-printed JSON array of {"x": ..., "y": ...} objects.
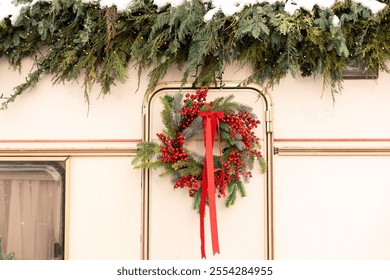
[
  {"x": 232, "y": 189},
  {"x": 196, "y": 201},
  {"x": 31, "y": 81},
  {"x": 189, "y": 167},
  {"x": 241, "y": 188},
  {"x": 263, "y": 164},
  {"x": 146, "y": 151},
  {"x": 167, "y": 115},
  {"x": 176, "y": 110}
]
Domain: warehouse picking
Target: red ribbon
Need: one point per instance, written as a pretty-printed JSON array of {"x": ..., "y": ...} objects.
[{"x": 211, "y": 123}]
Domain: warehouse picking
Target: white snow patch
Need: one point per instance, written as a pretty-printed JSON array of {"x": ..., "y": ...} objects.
[
  {"x": 173, "y": 3},
  {"x": 373, "y": 5},
  {"x": 8, "y": 9},
  {"x": 335, "y": 21},
  {"x": 227, "y": 7}
]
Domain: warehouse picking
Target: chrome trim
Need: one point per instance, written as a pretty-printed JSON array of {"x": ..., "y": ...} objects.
[{"x": 330, "y": 151}]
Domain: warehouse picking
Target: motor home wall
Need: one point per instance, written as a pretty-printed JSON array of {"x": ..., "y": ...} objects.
[{"x": 330, "y": 179}]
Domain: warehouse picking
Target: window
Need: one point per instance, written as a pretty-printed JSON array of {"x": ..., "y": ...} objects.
[{"x": 32, "y": 209}]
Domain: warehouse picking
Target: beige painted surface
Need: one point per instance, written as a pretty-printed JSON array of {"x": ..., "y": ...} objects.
[
  {"x": 360, "y": 111},
  {"x": 60, "y": 112},
  {"x": 105, "y": 212},
  {"x": 325, "y": 207},
  {"x": 332, "y": 207}
]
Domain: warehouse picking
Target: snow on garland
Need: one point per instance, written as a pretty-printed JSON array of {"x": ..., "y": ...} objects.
[{"x": 227, "y": 7}]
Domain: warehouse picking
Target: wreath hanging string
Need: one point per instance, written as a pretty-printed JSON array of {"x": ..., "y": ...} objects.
[{"x": 210, "y": 176}]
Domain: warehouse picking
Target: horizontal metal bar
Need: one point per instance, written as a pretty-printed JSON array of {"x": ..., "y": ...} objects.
[
  {"x": 299, "y": 151},
  {"x": 346, "y": 140},
  {"x": 68, "y": 152}
]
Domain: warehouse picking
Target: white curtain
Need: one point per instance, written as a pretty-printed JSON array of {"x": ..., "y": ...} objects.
[{"x": 30, "y": 217}]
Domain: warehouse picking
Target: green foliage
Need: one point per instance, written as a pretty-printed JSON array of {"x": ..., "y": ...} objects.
[
  {"x": 196, "y": 202},
  {"x": 262, "y": 164},
  {"x": 7, "y": 256},
  {"x": 176, "y": 111},
  {"x": 224, "y": 104},
  {"x": 233, "y": 188},
  {"x": 146, "y": 151},
  {"x": 167, "y": 115},
  {"x": 188, "y": 167},
  {"x": 69, "y": 39},
  {"x": 226, "y": 136}
]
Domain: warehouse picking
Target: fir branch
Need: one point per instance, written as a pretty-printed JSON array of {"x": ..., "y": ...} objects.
[
  {"x": 168, "y": 170},
  {"x": 146, "y": 151},
  {"x": 253, "y": 22},
  {"x": 231, "y": 198},
  {"x": 229, "y": 107},
  {"x": 196, "y": 202},
  {"x": 157, "y": 73},
  {"x": 155, "y": 165},
  {"x": 241, "y": 188},
  {"x": 217, "y": 103},
  {"x": 188, "y": 167},
  {"x": 263, "y": 164},
  {"x": 250, "y": 161},
  {"x": 224, "y": 126},
  {"x": 167, "y": 115},
  {"x": 176, "y": 110},
  {"x": 31, "y": 81},
  {"x": 226, "y": 136}
]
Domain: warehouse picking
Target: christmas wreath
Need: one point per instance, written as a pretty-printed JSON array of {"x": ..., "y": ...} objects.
[
  {"x": 182, "y": 120},
  {"x": 207, "y": 176}
]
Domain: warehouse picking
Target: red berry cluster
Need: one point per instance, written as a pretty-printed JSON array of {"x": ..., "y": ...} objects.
[
  {"x": 191, "y": 111},
  {"x": 172, "y": 149},
  {"x": 194, "y": 182},
  {"x": 221, "y": 183},
  {"x": 235, "y": 167},
  {"x": 189, "y": 181},
  {"x": 242, "y": 123},
  {"x": 255, "y": 153}
]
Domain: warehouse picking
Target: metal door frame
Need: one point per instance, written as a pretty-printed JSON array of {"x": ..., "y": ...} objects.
[{"x": 269, "y": 208}]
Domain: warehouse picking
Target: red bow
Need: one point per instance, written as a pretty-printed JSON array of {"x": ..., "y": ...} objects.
[{"x": 211, "y": 123}]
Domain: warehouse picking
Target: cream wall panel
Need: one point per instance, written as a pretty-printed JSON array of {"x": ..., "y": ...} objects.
[
  {"x": 333, "y": 207},
  {"x": 60, "y": 112},
  {"x": 360, "y": 111},
  {"x": 105, "y": 209}
]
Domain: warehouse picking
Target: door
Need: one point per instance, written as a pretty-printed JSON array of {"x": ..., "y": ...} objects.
[{"x": 171, "y": 226}]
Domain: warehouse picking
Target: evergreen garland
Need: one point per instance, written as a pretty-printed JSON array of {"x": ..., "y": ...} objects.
[{"x": 69, "y": 39}]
